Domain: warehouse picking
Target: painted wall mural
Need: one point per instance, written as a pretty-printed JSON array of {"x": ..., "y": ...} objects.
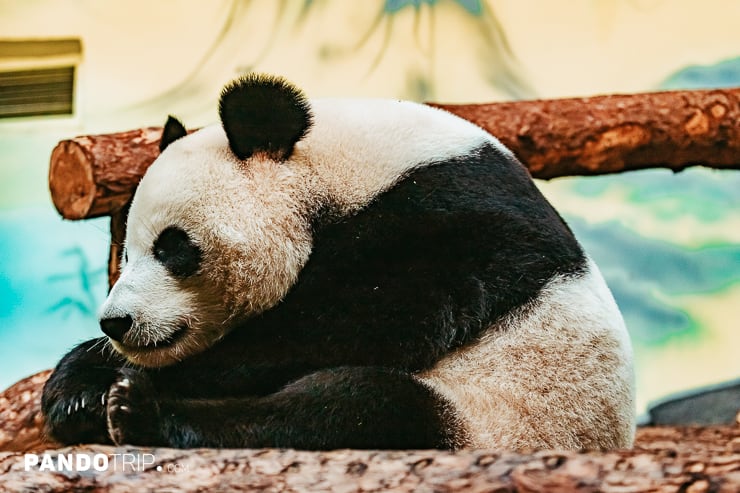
[{"x": 668, "y": 244}]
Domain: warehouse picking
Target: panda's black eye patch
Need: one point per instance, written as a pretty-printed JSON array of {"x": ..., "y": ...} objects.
[{"x": 177, "y": 252}]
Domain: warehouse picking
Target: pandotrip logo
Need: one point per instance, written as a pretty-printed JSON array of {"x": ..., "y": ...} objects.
[{"x": 81, "y": 462}]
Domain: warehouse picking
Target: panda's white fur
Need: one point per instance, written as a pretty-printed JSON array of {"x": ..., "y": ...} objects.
[
  {"x": 516, "y": 388},
  {"x": 342, "y": 147}
]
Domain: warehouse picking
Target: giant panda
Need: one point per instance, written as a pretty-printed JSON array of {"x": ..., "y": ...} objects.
[{"x": 346, "y": 273}]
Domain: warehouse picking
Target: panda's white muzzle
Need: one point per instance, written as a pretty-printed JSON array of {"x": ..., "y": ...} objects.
[{"x": 146, "y": 308}]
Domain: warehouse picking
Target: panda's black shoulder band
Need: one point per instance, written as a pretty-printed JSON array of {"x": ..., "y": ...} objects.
[{"x": 263, "y": 113}]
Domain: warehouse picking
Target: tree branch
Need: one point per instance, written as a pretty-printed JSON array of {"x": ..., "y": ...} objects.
[
  {"x": 610, "y": 134},
  {"x": 96, "y": 175}
]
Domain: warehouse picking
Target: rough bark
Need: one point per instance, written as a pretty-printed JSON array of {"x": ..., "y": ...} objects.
[
  {"x": 21, "y": 421},
  {"x": 609, "y": 134},
  {"x": 681, "y": 460},
  {"x": 96, "y": 175},
  {"x": 686, "y": 459}
]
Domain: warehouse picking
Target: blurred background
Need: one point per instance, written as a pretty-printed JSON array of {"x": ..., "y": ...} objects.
[{"x": 668, "y": 244}]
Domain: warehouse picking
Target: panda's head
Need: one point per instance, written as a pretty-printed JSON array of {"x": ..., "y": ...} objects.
[
  {"x": 217, "y": 230},
  {"x": 223, "y": 221}
]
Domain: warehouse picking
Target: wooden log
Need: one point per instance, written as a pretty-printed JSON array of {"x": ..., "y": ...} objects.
[
  {"x": 21, "y": 421},
  {"x": 664, "y": 459},
  {"x": 610, "y": 134},
  {"x": 117, "y": 236},
  {"x": 96, "y": 175}
]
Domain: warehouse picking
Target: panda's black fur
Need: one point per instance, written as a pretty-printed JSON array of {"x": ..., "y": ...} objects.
[
  {"x": 423, "y": 270},
  {"x": 263, "y": 114}
]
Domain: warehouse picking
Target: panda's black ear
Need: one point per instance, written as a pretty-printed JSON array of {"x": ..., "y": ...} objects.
[
  {"x": 173, "y": 130},
  {"x": 263, "y": 113}
]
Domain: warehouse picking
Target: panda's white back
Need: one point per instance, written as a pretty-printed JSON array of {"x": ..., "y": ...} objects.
[
  {"x": 361, "y": 147},
  {"x": 556, "y": 373}
]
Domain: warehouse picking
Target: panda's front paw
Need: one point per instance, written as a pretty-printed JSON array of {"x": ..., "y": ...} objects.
[
  {"x": 74, "y": 408},
  {"x": 76, "y": 418},
  {"x": 132, "y": 410}
]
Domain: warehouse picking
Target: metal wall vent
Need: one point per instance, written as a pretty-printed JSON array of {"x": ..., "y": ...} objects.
[{"x": 37, "y": 77}]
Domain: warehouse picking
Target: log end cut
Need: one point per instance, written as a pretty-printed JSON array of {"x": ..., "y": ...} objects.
[
  {"x": 71, "y": 181},
  {"x": 96, "y": 175}
]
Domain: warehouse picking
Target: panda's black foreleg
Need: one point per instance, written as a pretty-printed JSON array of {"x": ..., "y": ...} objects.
[
  {"x": 74, "y": 397},
  {"x": 349, "y": 407}
]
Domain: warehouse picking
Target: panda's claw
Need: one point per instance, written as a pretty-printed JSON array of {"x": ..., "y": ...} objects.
[{"x": 132, "y": 412}]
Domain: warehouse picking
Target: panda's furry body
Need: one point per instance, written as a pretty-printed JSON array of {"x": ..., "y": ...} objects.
[{"x": 346, "y": 273}]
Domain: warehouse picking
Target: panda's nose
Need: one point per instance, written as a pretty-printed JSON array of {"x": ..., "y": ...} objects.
[{"x": 115, "y": 327}]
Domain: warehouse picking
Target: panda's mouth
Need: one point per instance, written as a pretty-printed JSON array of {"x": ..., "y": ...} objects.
[
  {"x": 159, "y": 344},
  {"x": 170, "y": 340}
]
